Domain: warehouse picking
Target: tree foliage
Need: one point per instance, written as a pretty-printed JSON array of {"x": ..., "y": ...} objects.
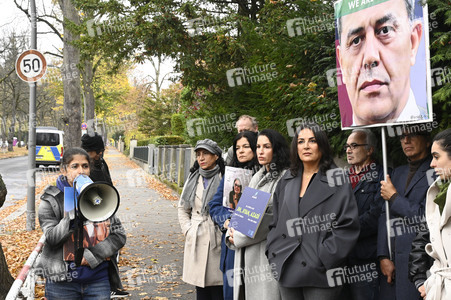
[{"x": 209, "y": 38}]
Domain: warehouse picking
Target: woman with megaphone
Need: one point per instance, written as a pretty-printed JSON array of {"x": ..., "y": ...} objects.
[{"x": 83, "y": 271}]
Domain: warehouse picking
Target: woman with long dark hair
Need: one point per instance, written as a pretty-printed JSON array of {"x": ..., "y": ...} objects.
[
  {"x": 202, "y": 237},
  {"x": 315, "y": 224},
  {"x": 252, "y": 273},
  {"x": 244, "y": 156}
]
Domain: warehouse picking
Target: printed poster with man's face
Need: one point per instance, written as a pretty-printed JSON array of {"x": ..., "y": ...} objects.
[{"x": 383, "y": 72}]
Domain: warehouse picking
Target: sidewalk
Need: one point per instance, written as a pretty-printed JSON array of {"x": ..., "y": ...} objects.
[{"x": 151, "y": 261}]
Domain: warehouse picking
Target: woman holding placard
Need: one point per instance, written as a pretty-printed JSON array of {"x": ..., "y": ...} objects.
[
  {"x": 244, "y": 156},
  {"x": 252, "y": 272},
  {"x": 315, "y": 224}
]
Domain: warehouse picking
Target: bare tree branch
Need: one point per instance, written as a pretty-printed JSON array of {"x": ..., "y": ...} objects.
[
  {"x": 54, "y": 54},
  {"x": 40, "y": 19},
  {"x": 7, "y": 75}
]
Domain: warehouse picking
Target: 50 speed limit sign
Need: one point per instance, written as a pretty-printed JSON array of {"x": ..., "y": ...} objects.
[{"x": 31, "y": 66}]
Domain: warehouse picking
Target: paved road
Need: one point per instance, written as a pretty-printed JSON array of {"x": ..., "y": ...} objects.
[{"x": 14, "y": 174}]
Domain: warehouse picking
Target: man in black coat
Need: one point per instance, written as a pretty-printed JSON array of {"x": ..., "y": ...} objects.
[
  {"x": 95, "y": 147},
  {"x": 405, "y": 190},
  {"x": 365, "y": 176},
  {"x": 93, "y": 144}
]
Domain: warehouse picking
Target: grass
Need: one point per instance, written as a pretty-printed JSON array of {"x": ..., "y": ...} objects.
[{"x": 4, "y": 153}]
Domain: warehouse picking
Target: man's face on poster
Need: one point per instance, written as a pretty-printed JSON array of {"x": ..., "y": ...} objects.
[{"x": 378, "y": 45}]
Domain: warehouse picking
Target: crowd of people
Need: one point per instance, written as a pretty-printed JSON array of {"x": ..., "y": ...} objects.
[{"x": 325, "y": 232}]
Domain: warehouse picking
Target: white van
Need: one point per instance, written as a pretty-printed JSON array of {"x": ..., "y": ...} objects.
[{"x": 49, "y": 146}]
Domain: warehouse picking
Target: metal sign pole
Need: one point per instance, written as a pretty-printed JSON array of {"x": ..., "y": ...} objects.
[
  {"x": 387, "y": 207},
  {"x": 31, "y": 210}
]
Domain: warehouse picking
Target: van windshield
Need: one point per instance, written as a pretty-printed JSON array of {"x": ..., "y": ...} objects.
[{"x": 47, "y": 139}]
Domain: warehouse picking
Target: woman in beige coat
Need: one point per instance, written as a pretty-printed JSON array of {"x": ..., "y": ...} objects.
[
  {"x": 202, "y": 237},
  {"x": 438, "y": 217},
  {"x": 253, "y": 278}
]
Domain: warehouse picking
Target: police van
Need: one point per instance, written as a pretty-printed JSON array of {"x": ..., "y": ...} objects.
[{"x": 49, "y": 146}]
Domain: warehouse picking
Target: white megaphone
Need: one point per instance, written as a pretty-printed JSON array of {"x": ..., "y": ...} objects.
[{"x": 97, "y": 201}]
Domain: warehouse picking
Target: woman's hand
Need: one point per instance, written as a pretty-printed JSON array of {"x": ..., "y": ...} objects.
[
  {"x": 422, "y": 291},
  {"x": 230, "y": 237},
  {"x": 226, "y": 224}
]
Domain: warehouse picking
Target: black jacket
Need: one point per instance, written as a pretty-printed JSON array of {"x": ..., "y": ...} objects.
[
  {"x": 100, "y": 172},
  {"x": 419, "y": 261},
  {"x": 310, "y": 238},
  {"x": 367, "y": 193}
]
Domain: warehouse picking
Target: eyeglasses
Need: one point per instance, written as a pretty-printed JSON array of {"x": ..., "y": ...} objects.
[
  {"x": 409, "y": 135},
  {"x": 352, "y": 146}
]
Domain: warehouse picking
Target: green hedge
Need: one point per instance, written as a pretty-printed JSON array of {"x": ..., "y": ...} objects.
[
  {"x": 162, "y": 140},
  {"x": 144, "y": 142}
]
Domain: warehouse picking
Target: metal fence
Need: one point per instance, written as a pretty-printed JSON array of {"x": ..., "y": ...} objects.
[
  {"x": 25, "y": 281},
  {"x": 141, "y": 153},
  {"x": 171, "y": 163}
]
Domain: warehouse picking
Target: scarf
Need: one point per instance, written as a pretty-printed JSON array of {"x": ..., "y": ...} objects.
[
  {"x": 61, "y": 183},
  {"x": 189, "y": 191},
  {"x": 440, "y": 199}
]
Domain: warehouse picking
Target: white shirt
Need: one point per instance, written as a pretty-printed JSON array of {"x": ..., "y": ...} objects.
[{"x": 411, "y": 112}]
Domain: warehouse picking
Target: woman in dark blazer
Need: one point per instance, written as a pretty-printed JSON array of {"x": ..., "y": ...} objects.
[{"x": 315, "y": 224}]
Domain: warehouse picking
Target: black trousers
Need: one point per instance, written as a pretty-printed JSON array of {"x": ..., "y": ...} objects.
[{"x": 210, "y": 293}]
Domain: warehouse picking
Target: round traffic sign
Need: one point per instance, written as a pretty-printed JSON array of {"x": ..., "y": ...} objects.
[
  {"x": 84, "y": 126},
  {"x": 31, "y": 65}
]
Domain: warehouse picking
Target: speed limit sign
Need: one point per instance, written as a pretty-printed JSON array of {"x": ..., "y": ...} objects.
[{"x": 31, "y": 66}]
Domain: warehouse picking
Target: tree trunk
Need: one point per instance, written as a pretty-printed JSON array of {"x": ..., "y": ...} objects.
[
  {"x": 6, "y": 280},
  {"x": 71, "y": 60},
  {"x": 88, "y": 75}
]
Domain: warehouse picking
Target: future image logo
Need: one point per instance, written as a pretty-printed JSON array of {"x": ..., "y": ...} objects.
[
  {"x": 194, "y": 127},
  {"x": 294, "y": 27},
  {"x": 235, "y": 77},
  {"x": 239, "y": 76},
  {"x": 352, "y": 274},
  {"x": 407, "y": 225},
  {"x": 214, "y": 124}
]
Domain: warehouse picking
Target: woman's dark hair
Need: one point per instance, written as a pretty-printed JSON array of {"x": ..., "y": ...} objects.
[
  {"x": 240, "y": 185},
  {"x": 220, "y": 162},
  {"x": 443, "y": 138},
  {"x": 252, "y": 139},
  {"x": 68, "y": 156},
  {"x": 326, "y": 161},
  {"x": 280, "y": 151}
]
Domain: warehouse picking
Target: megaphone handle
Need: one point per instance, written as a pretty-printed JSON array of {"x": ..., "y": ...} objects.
[{"x": 78, "y": 242}]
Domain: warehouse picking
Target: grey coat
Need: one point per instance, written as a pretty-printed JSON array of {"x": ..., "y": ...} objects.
[
  {"x": 56, "y": 228},
  {"x": 252, "y": 273},
  {"x": 310, "y": 237}
]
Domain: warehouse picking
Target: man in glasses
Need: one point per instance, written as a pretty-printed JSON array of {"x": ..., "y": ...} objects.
[
  {"x": 405, "y": 190},
  {"x": 244, "y": 123},
  {"x": 365, "y": 176}
]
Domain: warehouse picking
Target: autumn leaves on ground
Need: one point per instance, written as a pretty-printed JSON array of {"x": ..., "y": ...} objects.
[{"x": 18, "y": 243}]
